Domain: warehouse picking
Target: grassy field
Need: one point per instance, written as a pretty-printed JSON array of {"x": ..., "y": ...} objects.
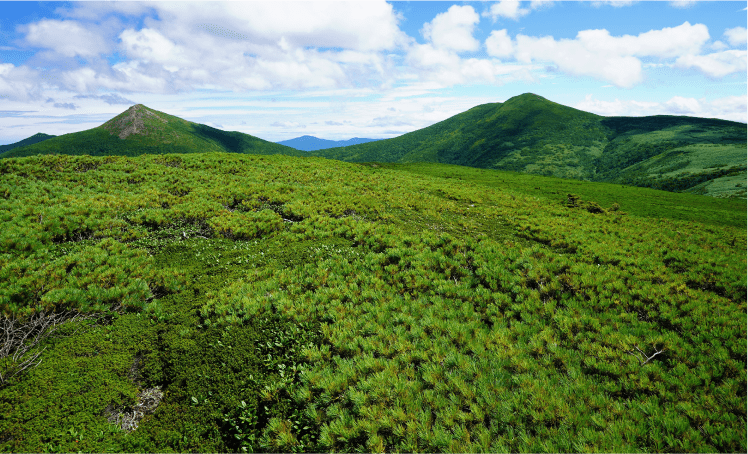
[{"x": 232, "y": 302}]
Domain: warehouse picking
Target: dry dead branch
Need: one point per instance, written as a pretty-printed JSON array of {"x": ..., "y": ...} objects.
[
  {"x": 642, "y": 357},
  {"x": 21, "y": 339}
]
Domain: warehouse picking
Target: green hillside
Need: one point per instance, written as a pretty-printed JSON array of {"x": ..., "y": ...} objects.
[
  {"x": 530, "y": 134},
  {"x": 141, "y": 130},
  {"x": 226, "y": 302},
  {"x": 38, "y": 137}
]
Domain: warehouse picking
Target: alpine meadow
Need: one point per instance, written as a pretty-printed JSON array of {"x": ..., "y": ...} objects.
[
  {"x": 381, "y": 226},
  {"x": 217, "y": 299}
]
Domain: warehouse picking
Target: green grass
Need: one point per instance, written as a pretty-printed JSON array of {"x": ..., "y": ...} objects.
[
  {"x": 286, "y": 304},
  {"x": 641, "y": 202}
]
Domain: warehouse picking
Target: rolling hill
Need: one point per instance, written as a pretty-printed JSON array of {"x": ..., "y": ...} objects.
[
  {"x": 36, "y": 138},
  {"x": 141, "y": 130},
  {"x": 311, "y": 143},
  {"x": 531, "y": 134}
]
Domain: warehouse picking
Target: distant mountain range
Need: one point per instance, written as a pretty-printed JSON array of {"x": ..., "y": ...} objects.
[
  {"x": 311, "y": 143},
  {"x": 527, "y": 133}
]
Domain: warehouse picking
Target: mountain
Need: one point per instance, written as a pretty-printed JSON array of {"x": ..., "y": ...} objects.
[
  {"x": 527, "y": 133},
  {"x": 531, "y": 134},
  {"x": 36, "y": 138},
  {"x": 311, "y": 143},
  {"x": 141, "y": 130}
]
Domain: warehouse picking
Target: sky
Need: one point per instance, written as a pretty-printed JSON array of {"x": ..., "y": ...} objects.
[{"x": 371, "y": 69}]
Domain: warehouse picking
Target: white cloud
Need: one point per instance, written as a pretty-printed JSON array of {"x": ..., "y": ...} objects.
[
  {"x": 540, "y": 4},
  {"x": 718, "y": 45},
  {"x": 18, "y": 83},
  {"x": 730, "y": 108},
  {"x": 231, "y": 45},
  {"x": 363, "y": 26},
  {"x": 718, "y": 64},
  {"x": 666, "y": 43},
  {"x": 499, "y": 44},
  {"x": 611, "y": 58},
  {"x": 683, "y": 4},
  {"x": 614, "y": 3},
  {"x": 66, "y": 38},
  {"x": 736, "y": 36},
  {"x": 151, "y": 46},
  {"x": 453, "y": 29},
  {"x": 509, "y": 9},
  {"x": 446, "y": 68}
]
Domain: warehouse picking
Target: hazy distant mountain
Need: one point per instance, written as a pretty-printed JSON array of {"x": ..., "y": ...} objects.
[
  {"x": 141, "y": 130},
  {"x": 311, "y": 143},
  {"x": 36, "y": 138},
  {"x": 531, "y": 134}
]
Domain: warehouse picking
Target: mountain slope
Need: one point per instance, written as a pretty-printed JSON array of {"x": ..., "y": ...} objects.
[
  {"x": 311, "y": 143},
  {"x": 141, "y": 130},
  {"x": 36, "y": 138},
  {"x": 531, "y": 134}
]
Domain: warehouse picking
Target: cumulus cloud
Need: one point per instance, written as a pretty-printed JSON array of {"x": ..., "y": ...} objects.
[
  {"x": 728, "y": 108},
  {"x": 499, "y": 44},
  {"x": 611, "y": 58},
  {"x": 18, "y": 83},
  {"x": 507, "y": 8},
  {"x": 67, "y": 38},
  {"x": 718, "y": 64},
  {"x": 438, "y": 61},
  {"x": 736, "y": 36},
  {"x": 363, "y": 26},
  {"x": 226, "y": 45},
  {"x": 453, "y": 29}
]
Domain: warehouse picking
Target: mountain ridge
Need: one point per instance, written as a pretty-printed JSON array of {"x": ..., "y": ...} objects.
[
  {"x": 526, "y": 133},
  {"x": 530, "y": 134},
  {"x": 36, "y": 138}
]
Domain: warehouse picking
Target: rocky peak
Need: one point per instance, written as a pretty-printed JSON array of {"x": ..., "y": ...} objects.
[{"x": 132, "y": 121}]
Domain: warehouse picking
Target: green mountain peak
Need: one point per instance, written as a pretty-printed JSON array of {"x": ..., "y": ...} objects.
[
  {"x": 138, "y": 120},
  {"x": 142, "y": 130}
]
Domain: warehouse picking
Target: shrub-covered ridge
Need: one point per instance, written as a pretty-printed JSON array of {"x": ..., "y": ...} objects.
[{"x": 286, "y": 304}]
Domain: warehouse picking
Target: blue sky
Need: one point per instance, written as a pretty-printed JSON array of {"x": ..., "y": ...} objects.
[{"x": 373, "y": 69}]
